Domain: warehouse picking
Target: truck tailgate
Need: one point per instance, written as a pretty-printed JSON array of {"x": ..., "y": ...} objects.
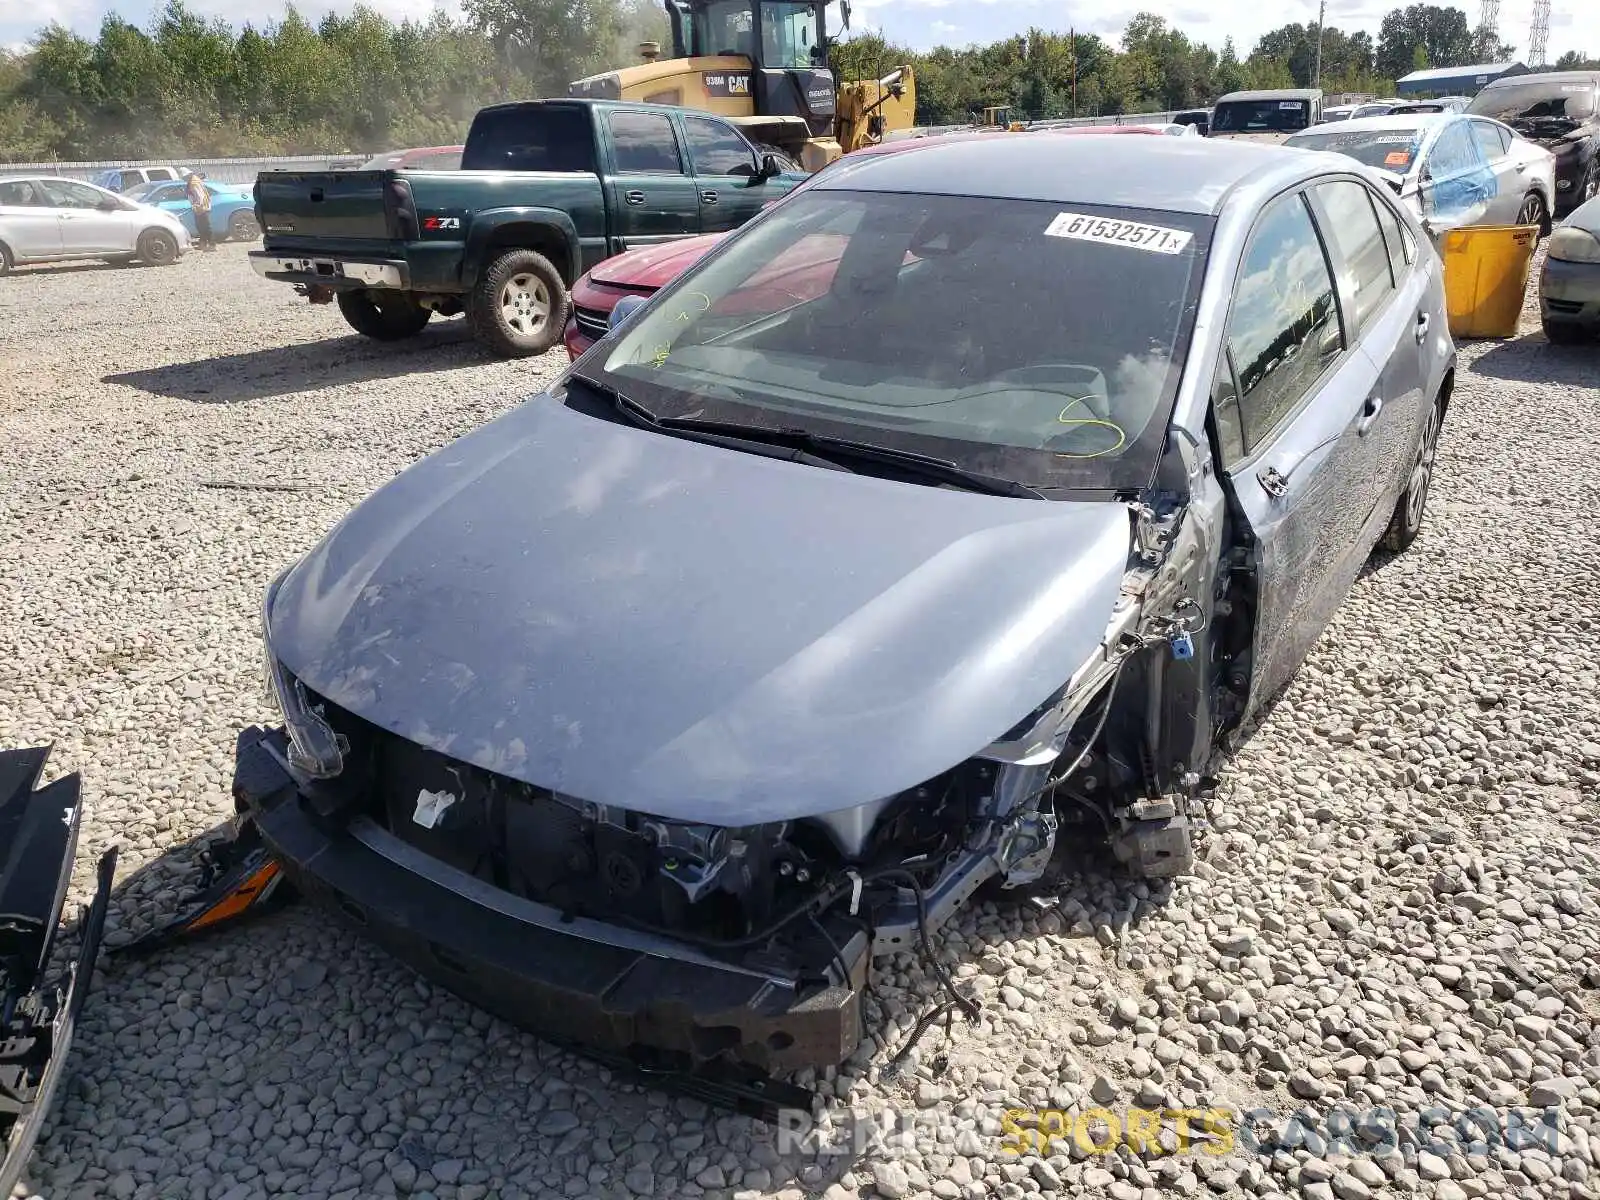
[{"x": 344, "y": 206}]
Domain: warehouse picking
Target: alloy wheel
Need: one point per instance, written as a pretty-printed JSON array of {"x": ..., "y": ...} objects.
[
  {"x": 525, "y": 303},
  {"x": 1422, "y": 470}
]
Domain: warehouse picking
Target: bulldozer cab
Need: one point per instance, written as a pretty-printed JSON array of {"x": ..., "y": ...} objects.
[{"x": 762, "y": 65}]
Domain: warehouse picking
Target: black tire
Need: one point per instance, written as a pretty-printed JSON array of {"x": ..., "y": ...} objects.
[
  {"x": 1406, "y": 522},
  {"x": 5, "y": 259},
  {"x": 242, "y": 227},
  {"x": 1533, "y": 212},
  {"x": 1564, "y": 333},
  {"x": 519, "y": 305},
  {"x": 384, "y": 318},
  {"x": 157, "y": 248},
  {"x": 1590, "y": 188}
]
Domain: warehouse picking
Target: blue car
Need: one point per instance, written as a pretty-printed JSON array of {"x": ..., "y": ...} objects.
[{"x": 233, "y": 208}]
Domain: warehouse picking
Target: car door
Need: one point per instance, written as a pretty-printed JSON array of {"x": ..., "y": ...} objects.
[
  {"x": 174, "y": 198},
  {"x": 1457, "y": 187},
  {"x": 727, "y": 173},
  {"x": 1509, "y": 185},
  {"x": 1289, "y": 399},
  {"x": 29, "y": 225},
  {"x": 87, "y": 228},
  {"x": 653, "y": 196},
  {"x": 1386, "y": 314}
]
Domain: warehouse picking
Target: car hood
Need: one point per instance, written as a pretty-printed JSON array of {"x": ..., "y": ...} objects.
[
  {"x": 654, "y": 266},
  {"x": 691, "y": 631}
]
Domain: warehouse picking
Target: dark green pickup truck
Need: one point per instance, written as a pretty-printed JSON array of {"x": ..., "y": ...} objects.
[{"x": 547, "y": 189}]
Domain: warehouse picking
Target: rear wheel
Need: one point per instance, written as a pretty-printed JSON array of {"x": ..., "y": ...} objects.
[
  {"x": 5, "y": 258},
  {"x": 158, "y": 248},
  {"x": 383, "y": 318},
  {"x": 1407, "y": 519},
  {"x": 242, "y": 227},
  {"x": 519, "y": 305}
]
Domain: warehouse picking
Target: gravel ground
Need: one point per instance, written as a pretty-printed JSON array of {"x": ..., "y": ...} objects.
[{"x": 1399, "y": 905}]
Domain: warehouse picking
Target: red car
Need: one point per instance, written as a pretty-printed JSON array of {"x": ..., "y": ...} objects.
[{"x": 795, "y": 277}]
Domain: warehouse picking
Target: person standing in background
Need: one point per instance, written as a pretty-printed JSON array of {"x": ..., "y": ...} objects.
[{"x": 200, "y": 203}]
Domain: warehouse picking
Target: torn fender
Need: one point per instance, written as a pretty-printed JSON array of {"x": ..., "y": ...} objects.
[{"x": 38, "y": 842}]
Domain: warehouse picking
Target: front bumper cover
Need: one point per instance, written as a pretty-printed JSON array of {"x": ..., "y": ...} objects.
[
  {"x": 616, "y": 993},
  {"x": 1569, "y": 292}
]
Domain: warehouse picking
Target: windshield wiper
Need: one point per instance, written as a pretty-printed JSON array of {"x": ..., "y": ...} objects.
[{"x": 816, "y": 448}]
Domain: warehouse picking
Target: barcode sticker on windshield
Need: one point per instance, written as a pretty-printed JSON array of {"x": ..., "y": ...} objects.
[{"x": 1157, "y": 238}]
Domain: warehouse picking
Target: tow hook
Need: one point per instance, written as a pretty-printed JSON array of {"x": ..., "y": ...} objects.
[{"x": 317, "y": 293}]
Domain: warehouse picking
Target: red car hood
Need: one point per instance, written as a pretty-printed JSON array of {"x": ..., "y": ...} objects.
[{"x": 653, "y": 266}]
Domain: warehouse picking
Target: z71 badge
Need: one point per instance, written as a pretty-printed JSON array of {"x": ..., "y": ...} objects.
[{"x": 441, "y": 222}]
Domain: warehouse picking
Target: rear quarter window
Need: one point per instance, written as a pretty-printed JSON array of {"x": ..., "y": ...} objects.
[{"x": 531, "y": 138}]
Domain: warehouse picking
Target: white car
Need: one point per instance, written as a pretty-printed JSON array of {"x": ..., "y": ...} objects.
[
  {"x": 44, "y": 218},
  {"x": 1449, "y": 169}
]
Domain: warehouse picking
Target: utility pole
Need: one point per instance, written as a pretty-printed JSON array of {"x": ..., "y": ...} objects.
[
  {"x": 1316, "y": 74},
  {"x": 1072, "y": 41}
]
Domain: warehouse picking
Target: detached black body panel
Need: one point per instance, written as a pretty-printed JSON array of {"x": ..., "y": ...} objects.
[{"x": 38, "y": 841}]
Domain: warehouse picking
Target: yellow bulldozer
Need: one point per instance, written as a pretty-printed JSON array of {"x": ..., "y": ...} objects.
[{"x": 763, "y": 65}]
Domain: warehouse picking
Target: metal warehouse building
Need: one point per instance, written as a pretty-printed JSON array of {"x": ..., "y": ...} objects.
[{"x": 1455, "y": 81}]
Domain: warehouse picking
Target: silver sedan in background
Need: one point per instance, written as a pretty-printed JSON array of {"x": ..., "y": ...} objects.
[
  {"x": 1569, "y": 285},
  {"x": 1450, "y": 170},
  {"x": 48, "y": 219}
]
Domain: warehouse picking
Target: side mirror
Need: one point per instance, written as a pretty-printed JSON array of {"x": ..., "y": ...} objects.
[
  {"x": 769, "y": 168},
  {"x": 108, "y": 204},
  {"x": 623, "y": 309}
]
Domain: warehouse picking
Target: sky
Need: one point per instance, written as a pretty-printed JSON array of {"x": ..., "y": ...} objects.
[{"x": 922, "y": 24}]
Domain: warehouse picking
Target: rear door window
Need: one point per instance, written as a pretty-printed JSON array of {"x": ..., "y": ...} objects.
[
  {"x": 1492, "y": 141},
  {"x": 22, "y": 193},
  {"x": 1359, "y": 254},
  {"x": 645, "y": 144}
]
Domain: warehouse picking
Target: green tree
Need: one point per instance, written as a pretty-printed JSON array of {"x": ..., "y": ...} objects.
[{"x": 1438, "y": 36}]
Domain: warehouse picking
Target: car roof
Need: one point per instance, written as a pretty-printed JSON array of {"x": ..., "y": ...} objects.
[
  {"x": 1190, "y": 175},
  {"x": 1537, "y": 77},
  {"x": 1391, "y": 121},
  {"x": 1272, "y": 94}
]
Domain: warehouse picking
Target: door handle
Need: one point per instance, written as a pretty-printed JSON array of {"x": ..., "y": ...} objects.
[
  {"x": 1369, "y": 412},
  {"x": 708, "y": 196},
  {"x": 634, "y": 197},
  {"x": 1421, "y": 330}
]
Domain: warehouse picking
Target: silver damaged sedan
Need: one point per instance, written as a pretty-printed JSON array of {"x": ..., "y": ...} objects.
[{"x": 951, "y": 514}]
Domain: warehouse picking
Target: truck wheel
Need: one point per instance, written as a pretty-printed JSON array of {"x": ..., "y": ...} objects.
[
  {"x": 519, "y": 305},
  {"x": 387, "y": 320}
]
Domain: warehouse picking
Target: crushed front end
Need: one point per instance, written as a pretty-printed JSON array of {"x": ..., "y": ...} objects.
[{"x": 672, "y": 945}]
